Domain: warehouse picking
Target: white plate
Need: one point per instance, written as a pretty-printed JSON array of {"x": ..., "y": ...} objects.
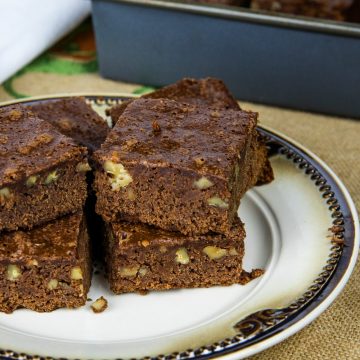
[{"x": 290, "y": 233}]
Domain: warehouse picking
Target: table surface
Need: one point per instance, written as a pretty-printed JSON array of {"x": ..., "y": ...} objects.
[{"x": 71, "y": 66}]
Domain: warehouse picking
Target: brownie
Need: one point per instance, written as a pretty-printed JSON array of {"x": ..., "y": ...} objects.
[
  {"x": 74, "y": 118},
  {"x": 42, "y": 172},
  {"x": 181, "y": 167},
  {"x": 328, "y": 9},
  {"x": 221, "y": 2},
  {"x": 47, "y": 267},
  {"x": 140, "y": 258},
  {"x": 353, "y": 13},
  {"x": 209, "y": 92}
]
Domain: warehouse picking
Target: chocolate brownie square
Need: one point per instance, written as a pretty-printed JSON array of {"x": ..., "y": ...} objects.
[
  {"x": 178, "y": 166},
  {"x": 333, "y": 9},
  {"x": 47, "y": 267},
  {"x": 140, "y": 258},
  {"x": 42, "y": 172},
  {"x": 74, "y": 118},
  {"x": 208, "y": 92}
]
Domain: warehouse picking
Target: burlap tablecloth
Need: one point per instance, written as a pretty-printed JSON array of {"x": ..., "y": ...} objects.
[{"x": 71, "y": 67}]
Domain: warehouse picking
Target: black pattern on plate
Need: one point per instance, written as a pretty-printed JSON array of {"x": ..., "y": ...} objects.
[{"x": 266, "y": 323}]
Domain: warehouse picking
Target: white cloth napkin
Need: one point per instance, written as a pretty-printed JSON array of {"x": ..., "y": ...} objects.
[{"x": 28, "y": 27}]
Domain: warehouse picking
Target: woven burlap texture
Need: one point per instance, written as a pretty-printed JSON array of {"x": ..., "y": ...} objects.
[{"x": 335, "y": 335}]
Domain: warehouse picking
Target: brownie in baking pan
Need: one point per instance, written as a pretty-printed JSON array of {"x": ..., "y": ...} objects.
[
  {"x": 209, "y": 91},
  {"x": 181, "y": 167},
  {"x": 353, "y": 12},
  {"x": 74, "y": 118},
  {"x": 328, "y": 9},
  {"x": 45, "y": 268},
  {"x": 222, "y": 2},
  {"x": 42, "y": 172},
  {"x": 140, "y": 258}
]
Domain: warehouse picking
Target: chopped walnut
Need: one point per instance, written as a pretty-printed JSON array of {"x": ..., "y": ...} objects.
[
  {"x": 83, "y": 167},
  {"x": 99, "y": 305},
  {"x": 119, "y": 176},
  {"x": 15, "y": 115},
  {"x": 52, "y": 284},
  {"x": 76, "y": 273},
  {"x": 156, "y": 127},
  {"x": 4, "y": 195},
  {"x": 31, "y": 181},
  {"x": 129, "y": 271},
  {"x": 203, "y": 183},
  {"x": 13, "y": 272},
  {"x": 217, "y": 202},
  {"x": 145, "y": 243},
  {"x": 143, "y": 271},
  {"x": 52, "y": 177},
  {"x": 199, "y": 161},
  {"x": 214, "y": 252},
  {"x": 182, "y": 256}
]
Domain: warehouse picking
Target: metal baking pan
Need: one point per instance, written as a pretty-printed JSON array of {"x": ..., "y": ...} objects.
[{"x": 307, "y": 64}]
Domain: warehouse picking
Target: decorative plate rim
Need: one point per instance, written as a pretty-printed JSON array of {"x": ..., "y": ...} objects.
[{"x": 268, "y": 327}]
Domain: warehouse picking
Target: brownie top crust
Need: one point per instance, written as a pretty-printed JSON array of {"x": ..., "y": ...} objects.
[
  {"x": 141, "y": 235},
  {"x": 30, "y": 145},
  {"x": 167, "y": 133},
  {"x": 208, "y": 92},
  {"x": 52, "y": 241},
  {"x": 73, "y": 117}
]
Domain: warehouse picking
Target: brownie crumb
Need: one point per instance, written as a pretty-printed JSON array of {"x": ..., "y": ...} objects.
[
  {"x": 246, "y": 277},
  {"x": 99, "y": 305}
]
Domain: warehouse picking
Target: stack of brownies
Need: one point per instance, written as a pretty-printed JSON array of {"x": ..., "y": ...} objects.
[
  {"x": 44, "y": 245},
  {"x": 169, "y": 179}
]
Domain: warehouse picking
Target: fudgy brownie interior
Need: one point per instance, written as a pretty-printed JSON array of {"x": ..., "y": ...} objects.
[
  {"x": 42, "y": 172},
  {"x": 142, "y": 258},
  {"x": 47, "y": 267},
  {"x": 178, "y": 166}
]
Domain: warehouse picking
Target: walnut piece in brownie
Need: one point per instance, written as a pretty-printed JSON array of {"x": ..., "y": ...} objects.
[
  {"x": 178, "y": 166},
  {"x": 74, "y": 118},
  {"x": 328, "y": 9},
  {"x": 208, "y": 92},
  {"x": 140, "y": 258},
  {"x": 42, "y": 172},
  {"x": 47, "y": 267}
]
